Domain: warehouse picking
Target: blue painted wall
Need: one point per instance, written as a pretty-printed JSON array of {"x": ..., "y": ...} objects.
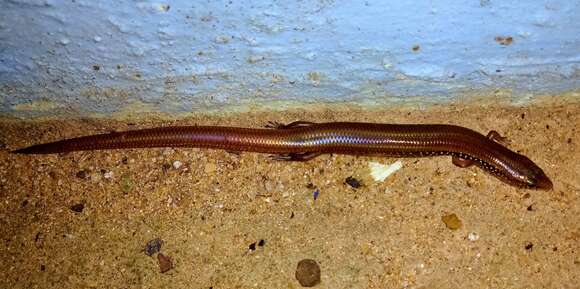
[{"x": 100, "y": 56}]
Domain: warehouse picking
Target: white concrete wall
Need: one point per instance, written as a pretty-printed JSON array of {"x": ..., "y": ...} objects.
[{"x": 84, "y": 56}]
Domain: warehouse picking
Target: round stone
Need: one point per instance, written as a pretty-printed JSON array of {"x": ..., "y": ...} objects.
[{"x": 308, "y": 273}]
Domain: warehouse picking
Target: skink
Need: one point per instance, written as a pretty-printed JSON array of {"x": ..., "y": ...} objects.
[{"x": 301, "y": 141}]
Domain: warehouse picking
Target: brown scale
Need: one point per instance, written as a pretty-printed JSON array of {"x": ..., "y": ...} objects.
[{"x": 302, "y": 141}]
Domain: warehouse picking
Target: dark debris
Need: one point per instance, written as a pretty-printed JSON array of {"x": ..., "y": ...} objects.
[
  {"x": 153, "y": 246},
  {"x": 78, "y": 208},
  {"x": 529, "y": 246},
  {"x": 354, "y": 183},
  {"x": 82, "y": 174},
  {"x": 165, "y": 263}
]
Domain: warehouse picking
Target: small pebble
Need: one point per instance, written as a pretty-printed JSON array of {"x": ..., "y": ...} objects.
[
  {"x": 529, "y": 246},
  {"x": 78, "y": 207},
  {"x": 177, "y": 164},
  {"x": 165, "y": 263},
  {"x": 108, "y": 175},
  {"x": 472, "y": 236},
  {"x": 153, "y": 246},
  {"x": 353, "y": 182},
  {"x": 308, "y": 273},
  {"x": 252, "y": 246},
  {"x": 451, "y": 221}
]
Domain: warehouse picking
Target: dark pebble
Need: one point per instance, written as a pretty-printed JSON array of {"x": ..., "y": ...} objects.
[
  {"x": 261, "y": 243},
  {"x": 165, "y": 263},
  {"x": 42, "y": 267},
  {"x": 82, "y": 174},
  {"x": 310, "y": 186},
  {"x": 529, "y": 246},
  {"x": 78, "y": 207},
  {"x": 353, "y": 182},
  {"x": 252, "y": 246},
  {"x": 530, "y": 208},
  {"x": 153, "y": 246},
  {"x": 308, "y": 273}
]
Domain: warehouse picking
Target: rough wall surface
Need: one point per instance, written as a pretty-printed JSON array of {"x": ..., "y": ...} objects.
[{"x": 101, "y": 56}]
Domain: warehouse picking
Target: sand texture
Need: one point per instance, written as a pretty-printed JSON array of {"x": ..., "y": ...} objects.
[{"x": 215, "y": 219}]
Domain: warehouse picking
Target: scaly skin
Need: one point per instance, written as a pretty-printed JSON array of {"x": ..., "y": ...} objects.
[{"x": 301, "y": 141}]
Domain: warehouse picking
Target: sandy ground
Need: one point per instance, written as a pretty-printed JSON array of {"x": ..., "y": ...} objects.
[{"x": 83, "y": 220}]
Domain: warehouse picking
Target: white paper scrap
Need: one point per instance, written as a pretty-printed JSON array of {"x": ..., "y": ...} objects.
[{"x": 380, "y": 172}]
